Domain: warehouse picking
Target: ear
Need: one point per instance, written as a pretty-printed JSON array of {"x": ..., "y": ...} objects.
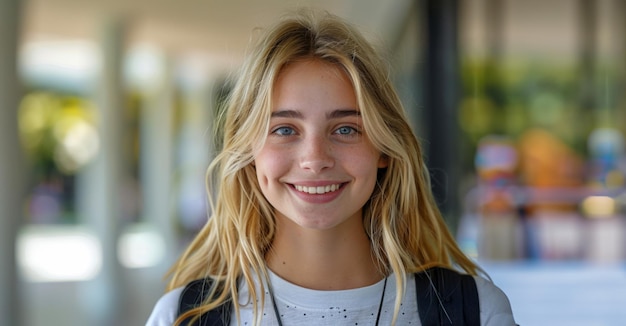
[{"x": 383, "y": 161}]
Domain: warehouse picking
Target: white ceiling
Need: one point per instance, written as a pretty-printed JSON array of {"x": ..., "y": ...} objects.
[{"x": 219, "y": 28}]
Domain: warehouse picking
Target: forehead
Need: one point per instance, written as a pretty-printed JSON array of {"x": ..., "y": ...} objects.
[{"x": 313, "y": 84}]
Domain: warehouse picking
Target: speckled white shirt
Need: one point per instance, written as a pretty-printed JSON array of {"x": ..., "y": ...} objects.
[{"x": 300, "y": 306}]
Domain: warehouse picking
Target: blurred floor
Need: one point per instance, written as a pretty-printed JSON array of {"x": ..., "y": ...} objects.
[
  {"x": 60, "y": 303},
  {"x": 563, "y": 293},
  {"x": 541, "y": 293}
]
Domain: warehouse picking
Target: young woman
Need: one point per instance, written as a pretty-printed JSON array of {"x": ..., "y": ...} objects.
[{"x": 323, "y": 212}]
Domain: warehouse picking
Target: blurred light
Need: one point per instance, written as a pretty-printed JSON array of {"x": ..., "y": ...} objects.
[
  {"x": 58, "y": 254},
  {"x": 606, "y": 143},
  {"x": 59, "y": 128},
  {"x": 145, "y": 67},
  {"x": 60, "y": 64},
  {"x": 140, "y": 247},
  {"x": 36, "y": 113},
  {"x": 35, "y": 110},
  {"x": 599, "y": 206},
  {"x": 78, "y": 145}
]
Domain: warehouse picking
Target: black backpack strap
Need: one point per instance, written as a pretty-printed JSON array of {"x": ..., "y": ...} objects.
[
  {"x": 446, "y": 297},
  {"x": 193, "y": 295}
]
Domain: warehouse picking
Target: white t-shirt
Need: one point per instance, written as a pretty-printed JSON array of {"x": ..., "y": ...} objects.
[{"x": 302, "y": 306}]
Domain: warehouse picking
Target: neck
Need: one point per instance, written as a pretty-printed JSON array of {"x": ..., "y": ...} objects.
[{"x": 336, "y": 259}]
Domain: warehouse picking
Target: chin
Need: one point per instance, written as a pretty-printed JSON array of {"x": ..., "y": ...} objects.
[{"x": 317, "y": 223}]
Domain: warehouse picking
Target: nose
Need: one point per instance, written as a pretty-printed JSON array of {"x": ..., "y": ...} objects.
[{"x": 316, "y": 154}]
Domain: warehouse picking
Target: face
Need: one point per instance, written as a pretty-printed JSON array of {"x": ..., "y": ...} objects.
[{"x": 317, "y": 167}]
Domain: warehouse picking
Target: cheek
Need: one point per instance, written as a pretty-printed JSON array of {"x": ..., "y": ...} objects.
[
  {"x": 268, "y": 166},
  {"x": 364, "y": 158}
]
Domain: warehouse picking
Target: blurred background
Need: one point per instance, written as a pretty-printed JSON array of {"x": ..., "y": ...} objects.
[{"x": 107, "y": 113}]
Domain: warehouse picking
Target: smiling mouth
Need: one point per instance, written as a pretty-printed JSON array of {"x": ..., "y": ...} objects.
[{"x": 319, "y": 189}]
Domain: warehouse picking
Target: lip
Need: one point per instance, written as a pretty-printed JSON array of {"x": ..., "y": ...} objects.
[{"x": 306, "y": 191}]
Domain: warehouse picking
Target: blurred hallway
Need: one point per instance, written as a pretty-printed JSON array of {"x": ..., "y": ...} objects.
[{"x": 108, "y": 112}]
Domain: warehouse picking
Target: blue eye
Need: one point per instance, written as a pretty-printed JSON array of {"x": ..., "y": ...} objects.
[
  {"x": 345, "y": 130},
  {"x": 284, "y": 131}
]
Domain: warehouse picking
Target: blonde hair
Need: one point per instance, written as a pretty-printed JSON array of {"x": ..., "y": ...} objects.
[{"x": 401, "y": 218}]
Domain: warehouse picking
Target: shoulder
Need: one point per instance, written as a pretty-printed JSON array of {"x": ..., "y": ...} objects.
[
  {"x": 165, "y": 310},
  {"x": 495, "y": 308}
]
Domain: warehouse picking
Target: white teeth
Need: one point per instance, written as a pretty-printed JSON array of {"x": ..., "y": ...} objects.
[{"x": 318, "y": 190}]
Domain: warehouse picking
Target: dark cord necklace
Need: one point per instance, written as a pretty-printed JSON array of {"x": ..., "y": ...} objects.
[{"x": 280, "y": 322}]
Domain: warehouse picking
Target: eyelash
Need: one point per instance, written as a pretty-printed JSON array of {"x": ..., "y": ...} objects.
[
  {"x": 277, "y": 130},
  {"x": 352, "y": 131}
]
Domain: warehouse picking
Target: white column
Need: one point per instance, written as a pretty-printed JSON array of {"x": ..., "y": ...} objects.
[
  {"x": 196, "y": 142},
  {"x": 156, "y": 160},
  {"x": 100, "y": 184},
  {"x": 12, "y": 181}
]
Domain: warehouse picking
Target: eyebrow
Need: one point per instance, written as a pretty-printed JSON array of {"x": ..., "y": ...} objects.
[
  {"x": 287, "y": 114},
  {"x": 336, "y": 114},
  {"x": 344, "y": 113}
]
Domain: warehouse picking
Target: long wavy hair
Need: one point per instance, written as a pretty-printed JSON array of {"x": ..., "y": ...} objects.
[{"x": 406, "y": 229}]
